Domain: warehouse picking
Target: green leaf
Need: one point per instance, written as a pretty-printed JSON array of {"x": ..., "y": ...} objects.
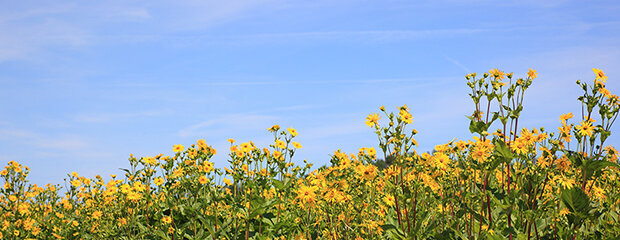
[
  {"x": 477, "y": 126},
  {"x": 393, "y": 231},
  {"x": 446, "y": 234},
  {"x": 502, "y": 151},
  {"x": 578, "y": 202},
  {"x": 595, "y": 168},
  {"x": 278, "y": 184}
]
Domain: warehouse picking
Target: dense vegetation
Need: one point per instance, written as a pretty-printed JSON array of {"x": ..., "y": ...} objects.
[{"x": 504, "y": 183}]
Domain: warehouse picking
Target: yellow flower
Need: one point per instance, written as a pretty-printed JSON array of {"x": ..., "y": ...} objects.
[
  {"x": 481, "y": 150},
  {"x": 76, "y": 183},
  {"x": 367, "y": 172},
  {"x": 280, "y": 144},
  {"x": 597, "y": 192},
  {"x": 371, "y": 151},
  {"x": 266, "y": 151},
  {"x": 612, "y": 153},
  {"x": 292, "y": 131},
  {"x": 246, "y": 147},
  {"x": 565, "y": 117},
  {"x": 166, "y": 220},
  {"x": 306, "y": 194},
  {"x": 192, "y": 154},
  {"x": 158, "y": 181},
  {"x": 405, "y": 115},
  {"x": 565, "y": 182},
  {"x": 389, "y": 200},
  {"x": 97, "y": 214},
  {"x": 520, "y": 146},
  {"x": 586, "y": 128},
  {"x": 228, "y": 182},
  {"x": 599, "y": 74},
  {"x": 274, "y": 128},
  {"x": 296, "y": 145},
  {"x": 532, "y": 73},
  {"x": 372, "y": 119},
  {"x": 277, "y": 154},
  {"x": 207, "y": 167},
  {"x": 605, "y": 92},
  {"x": 203, "y": 180},
  {"x": 498, "y": 74},
  {"x": 178, "y": 148},
  {"x": 150, "y": 160},
  {"x": 230, "y": 140}
]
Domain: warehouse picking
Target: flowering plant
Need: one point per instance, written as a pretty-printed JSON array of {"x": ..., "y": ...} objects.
[{"x": 506, "y": 182}]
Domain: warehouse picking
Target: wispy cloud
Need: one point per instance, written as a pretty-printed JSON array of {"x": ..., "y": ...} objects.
[
  {"x": 25, "y": 32},
  {"x": 372, "y": 35},
  {"x": 364, "y": 36},
  {"x": 322, "y": 82},
  {"x": 108, "y": 117},
  {"x": 24, "y": 42},
  {"x": 458, "y": 64},
  {"x": 359, "y": 36},
  {"x": 296, "y": 107},
  {"x": 38, "y": 140}
]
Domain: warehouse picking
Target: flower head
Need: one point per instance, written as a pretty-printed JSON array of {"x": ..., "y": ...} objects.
[
  {"x": 372, "y": 119},
  {"x": 565, "y": 117},
  {"x": 532, "y": 73},
  {"x": 203, "y": 180},
  {"x": 178, "y": 148},
  {"x": 158, "y": 181},
  {"x": 585, "y": 128},
  {"x": 274, "y": 128},
  {"x": 292, "y": 131},
  {"x": 226, "y": 181},
  {"x": 498, "y": 74},
  {"x": 280, "y": 144},
  {"x": 599, "y": 74},
  {"x": 166, "y": 220}
]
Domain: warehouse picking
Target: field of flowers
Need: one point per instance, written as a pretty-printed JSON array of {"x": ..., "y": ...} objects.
[{"x": 506, "y": 182}]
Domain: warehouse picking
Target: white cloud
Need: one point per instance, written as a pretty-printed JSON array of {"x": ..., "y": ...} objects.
[
  {"x": 27, "y": 31},
  {"x": 65, "y": 142},
  {"x": 107, "y": 117},
  {"x": 23, "y": 41},
  {"x": 370, "y": 36}
]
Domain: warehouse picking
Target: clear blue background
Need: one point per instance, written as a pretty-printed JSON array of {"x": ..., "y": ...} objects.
[{"x": 85, "y": 83}]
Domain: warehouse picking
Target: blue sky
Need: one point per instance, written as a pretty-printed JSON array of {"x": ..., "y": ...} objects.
[{"x": 86, "y": 83}]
